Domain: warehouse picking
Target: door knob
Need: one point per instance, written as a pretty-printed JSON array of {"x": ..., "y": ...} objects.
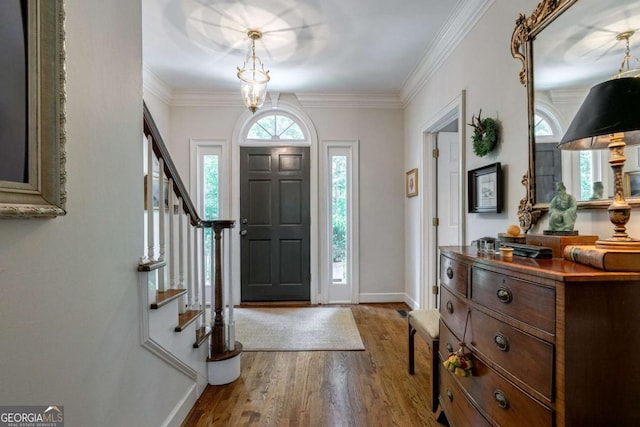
[
  {"x": 243, "y": 233},
  {"x": 245, "y": 220}
]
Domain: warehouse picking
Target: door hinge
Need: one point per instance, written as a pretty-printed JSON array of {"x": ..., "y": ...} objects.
[
  {"x": 434, "y": 290},
  {"x": 435, "y": 153},
  {"x": 436, "y": 221}
]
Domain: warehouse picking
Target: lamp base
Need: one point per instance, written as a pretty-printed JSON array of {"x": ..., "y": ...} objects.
[{"x": 625, "y": 245}]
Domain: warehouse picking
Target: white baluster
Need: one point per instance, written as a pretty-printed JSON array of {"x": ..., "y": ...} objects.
[
  {"x": 231, "y": 345},
  {"x": 212, "y": 254},
  {"x": 172, "y": 245},
  {"x": 180, "y": 243},
  {"x": 161, "y": 225},
  {"x": 196, "y": 272},
  {"x": 203, "y": 292},
  {"x": 150, "y": 219},
  {"x": 189, "y": 265}
]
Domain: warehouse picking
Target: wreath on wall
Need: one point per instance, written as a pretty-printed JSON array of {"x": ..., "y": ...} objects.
[{"x": 485, "y": 134}]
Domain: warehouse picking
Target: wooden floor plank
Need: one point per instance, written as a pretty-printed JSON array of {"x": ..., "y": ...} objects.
[{"x": 328, "y": 388}]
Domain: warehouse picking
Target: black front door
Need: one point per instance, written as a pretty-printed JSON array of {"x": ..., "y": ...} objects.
[
  {"x": 274, "y": 223},
  {"x": 548, "y": 170}
]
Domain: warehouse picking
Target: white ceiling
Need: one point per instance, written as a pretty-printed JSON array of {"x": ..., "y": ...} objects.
[{"x": 308, "y": 45}]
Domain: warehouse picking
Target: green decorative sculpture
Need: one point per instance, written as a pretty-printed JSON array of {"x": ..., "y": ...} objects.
[{"x": 562, "y": 211}]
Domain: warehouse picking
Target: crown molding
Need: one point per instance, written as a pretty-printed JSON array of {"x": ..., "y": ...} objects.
[
  {"x": 350, "y": 100},
  {"x": 153, "y": 84},
  {"x": 573, "y": 95},
  {"x": 307, "y": 100},
  {"x": 201, "y": 98},
  {"x": 461, "y": 20}
]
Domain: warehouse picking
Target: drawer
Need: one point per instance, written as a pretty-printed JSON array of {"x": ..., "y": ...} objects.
[
  {"x": 524, "y": 356},
  {"x": 453, "y": 310},
  {"x": 459, "y": 411},
  {"x": 524, "y": 301},
  {"x": 453, "y": 274},
  {"x": 500, "y": 400}
]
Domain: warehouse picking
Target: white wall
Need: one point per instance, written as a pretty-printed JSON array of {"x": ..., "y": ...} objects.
[
  {"x": 68, "y": 286},
  {"x": 381, "y": 179},
  {"x": 381, "y": 193}
]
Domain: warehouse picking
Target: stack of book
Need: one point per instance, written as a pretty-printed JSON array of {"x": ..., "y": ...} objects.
[{"x": 603, "y": 259}]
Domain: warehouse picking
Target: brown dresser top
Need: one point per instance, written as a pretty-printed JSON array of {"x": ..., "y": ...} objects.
[{"x": 557, "y": 269}]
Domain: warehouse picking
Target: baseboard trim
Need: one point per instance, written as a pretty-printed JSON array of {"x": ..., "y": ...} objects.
[
  {"x": 381, "y": 297},
  {"x": 181, "y": 410},
  {"x": 411, "y": 302}
]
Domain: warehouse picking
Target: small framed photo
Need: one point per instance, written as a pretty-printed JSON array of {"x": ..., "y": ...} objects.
[
  {"x": 485, "y": 189},
  {"x": 411, "y": 183},
  {"x": 632, "y": 184}
]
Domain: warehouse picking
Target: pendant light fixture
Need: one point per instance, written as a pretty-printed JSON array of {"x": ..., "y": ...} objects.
[
  {"x": 253, "y": 77},
  {"x": 625, "y": 68}
]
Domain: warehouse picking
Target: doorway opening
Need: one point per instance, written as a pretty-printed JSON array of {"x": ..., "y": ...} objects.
[{"x": 442, "y": 208}]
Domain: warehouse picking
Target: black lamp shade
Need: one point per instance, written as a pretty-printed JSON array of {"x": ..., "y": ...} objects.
[{"x": 610, "y": 107}]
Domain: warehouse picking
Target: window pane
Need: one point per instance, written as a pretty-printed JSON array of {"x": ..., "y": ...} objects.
[
  {"x": 269, "y": 124},
  {"x": 339, "y": 217},
  {"x": 293, "y": 132},
  {"x": 542, "y": 127},
  {"x": 585, "y": 175},
  {"x": 282, "y": 124},
  {"x": 211, "y": 200},
  {"x": 258, "y": 132},
  {"x": 210, "y": 186}
]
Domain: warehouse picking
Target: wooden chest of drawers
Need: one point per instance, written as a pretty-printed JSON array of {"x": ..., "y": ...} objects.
[{"x": 554, "y": 343}]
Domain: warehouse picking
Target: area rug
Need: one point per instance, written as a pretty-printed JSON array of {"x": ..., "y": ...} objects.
[{"x": 297, "y": 329}]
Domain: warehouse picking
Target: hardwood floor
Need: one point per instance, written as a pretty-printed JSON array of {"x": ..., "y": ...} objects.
[{"x": 328, "y": 388}]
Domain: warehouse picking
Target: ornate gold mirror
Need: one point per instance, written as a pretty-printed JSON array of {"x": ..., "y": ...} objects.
[{"x": 566, "y": 47}]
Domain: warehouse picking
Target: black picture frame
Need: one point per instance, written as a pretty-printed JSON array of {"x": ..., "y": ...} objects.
[{"x": 485, "y": 189}]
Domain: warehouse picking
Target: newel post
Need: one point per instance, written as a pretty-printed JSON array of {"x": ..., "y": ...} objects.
[{"x": 223, "y": 363}]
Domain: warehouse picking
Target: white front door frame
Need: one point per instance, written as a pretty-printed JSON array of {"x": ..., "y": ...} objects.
[{"x": 238, "y": 130}]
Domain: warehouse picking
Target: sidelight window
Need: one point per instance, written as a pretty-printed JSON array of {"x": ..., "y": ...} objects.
[{"x": 340, "y": 269}]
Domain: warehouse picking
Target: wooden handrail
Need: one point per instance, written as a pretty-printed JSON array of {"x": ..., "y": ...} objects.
[{"x": 161, "y": 151}]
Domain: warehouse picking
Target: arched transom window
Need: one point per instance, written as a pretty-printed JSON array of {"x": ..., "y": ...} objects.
[
  {"x": 276, "y": 127},
  {"x": 542, "y": 126}
]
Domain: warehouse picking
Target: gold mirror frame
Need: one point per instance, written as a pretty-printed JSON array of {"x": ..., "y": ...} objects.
[
  {"x": 43, "y": 194},
  {"x": 526, "y": 30}
]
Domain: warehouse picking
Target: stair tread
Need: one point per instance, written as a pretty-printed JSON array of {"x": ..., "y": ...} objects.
[
  {"x": 165, "y": 297},
  {"x": 201, "y": 335},
  {"x": 186, "y": 318}
]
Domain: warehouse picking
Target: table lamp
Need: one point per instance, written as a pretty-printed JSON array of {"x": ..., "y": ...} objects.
[{"x": 610, "y": 118}]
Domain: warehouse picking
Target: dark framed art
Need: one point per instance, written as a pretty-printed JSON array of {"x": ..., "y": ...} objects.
[
  {"x": 32, "y": 94},
  {"x": 485, "y": 189}
]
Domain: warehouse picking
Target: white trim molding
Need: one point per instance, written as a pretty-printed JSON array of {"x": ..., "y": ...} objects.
[{"x": 461, "y": 20}]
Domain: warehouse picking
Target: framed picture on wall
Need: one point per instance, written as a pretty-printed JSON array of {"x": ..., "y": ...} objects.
[
  {"x": 485, "y": 189},
  {"x": 632, "y": 184},
  {"x": 32, "y": 118},
  {"x": 411, "y": 183}
]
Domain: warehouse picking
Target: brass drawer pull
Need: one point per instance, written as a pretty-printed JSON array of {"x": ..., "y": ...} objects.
[
  {"x": 450, "y": 273},
  {"x": 449, "y": 347},
  {"x": 501, "y": 342},
  {"x": 449, "y": 307},
  {"x": 501, "y": 399},
  {"x": 504, "y": 295},
  {"x": 449, "y": 395}
]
